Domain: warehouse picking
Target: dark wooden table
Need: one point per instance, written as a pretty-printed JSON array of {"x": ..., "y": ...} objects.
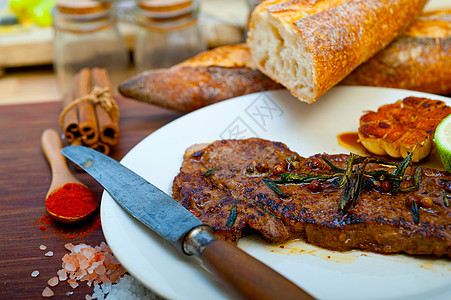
[{"x": 24, "y": 180}]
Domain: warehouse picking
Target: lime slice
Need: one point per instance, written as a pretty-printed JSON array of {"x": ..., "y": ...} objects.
[{"x": 442, "y": 139}]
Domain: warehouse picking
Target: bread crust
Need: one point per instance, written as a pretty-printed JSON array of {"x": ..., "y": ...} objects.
[
  {"x": 230, "y": 56},
  {"x": 334, "y": 37},
  {"x": 420, "y": 59},
  {"x": 185, "y": 88}
]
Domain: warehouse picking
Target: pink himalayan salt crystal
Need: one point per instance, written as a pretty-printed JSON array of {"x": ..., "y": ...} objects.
[
  {"x": 42, "y": 247},
  {"x": 73, "y": 283},
  {"x": 69, "y": 267},
  {"x": 47, "y": 292},
  {"x": 62, "y": 275},
  {"x": 53, "y": 281},
  {"x": 90, "y": 264},
  {"x": 69, "y": 246}
]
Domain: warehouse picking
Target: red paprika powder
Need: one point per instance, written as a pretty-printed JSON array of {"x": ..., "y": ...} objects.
[{"x": 72, "y": 200}]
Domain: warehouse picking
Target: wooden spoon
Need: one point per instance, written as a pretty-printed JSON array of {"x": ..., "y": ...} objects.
[{"x": 52, "y": 144}]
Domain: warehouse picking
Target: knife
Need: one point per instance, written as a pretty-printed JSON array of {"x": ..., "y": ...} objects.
[{"x": 245, "y": 276}]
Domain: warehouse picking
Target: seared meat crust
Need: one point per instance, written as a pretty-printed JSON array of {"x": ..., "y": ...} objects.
[{"x": 222, "y": 184}]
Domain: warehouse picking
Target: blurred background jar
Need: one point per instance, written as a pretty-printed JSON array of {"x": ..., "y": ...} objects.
[
  {"x": 168, "y": 33},
  {"x": 86, "y": 36}
]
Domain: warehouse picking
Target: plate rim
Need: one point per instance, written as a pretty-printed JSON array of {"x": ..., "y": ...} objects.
[{"x": 129, "y": 155}]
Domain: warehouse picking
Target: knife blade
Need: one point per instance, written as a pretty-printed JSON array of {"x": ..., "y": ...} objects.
[{"x": 244, "y": 275}]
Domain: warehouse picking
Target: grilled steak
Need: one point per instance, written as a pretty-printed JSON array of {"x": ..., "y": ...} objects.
[{"x": 234, "y": 184}]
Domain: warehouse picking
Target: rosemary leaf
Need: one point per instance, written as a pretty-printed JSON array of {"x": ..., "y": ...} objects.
[
  {"x": 416, "y": 214},
  {"x": 416, "y": 182},
  {"x": 288, "y": 178},
  {"x": 208, "y": 173},
  {"x": 273, "y": 186},
  {"x": 265, "y": 211},
  {"x": 399, "y": 172},
  {"x": 445, "y": 199},
  {"x": 232, "y": 216},
  {"x": 344, "y": 202},
  {"x": 332, "y": 166},
  {"x": 348, "y": 172}
]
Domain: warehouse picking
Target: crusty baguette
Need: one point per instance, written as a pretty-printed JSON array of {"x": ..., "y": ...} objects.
[
  {"x": 215, "y": 75},
  {"x": 417, "y": 60},
  {"x": 420, "y": 59},
  {"x": 309, "y": 46}
]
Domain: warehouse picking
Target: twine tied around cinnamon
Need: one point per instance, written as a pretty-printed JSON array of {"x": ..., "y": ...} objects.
[
  {"x": 90, "y": 116},
  {"x": 98, "y": 95}
]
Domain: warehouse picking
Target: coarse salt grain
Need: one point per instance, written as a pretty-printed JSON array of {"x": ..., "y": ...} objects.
[
  {"x": 62, "y": 275},
  {"x": 126, "y": 287},
  {"x": 50, "y": 253},
  {"x": 35, "y": 273},
  {"x": 42, "y": 247},
  {"x": 53, "y": 281},
  {"x": 69, "y": 246},
  {"x": 73, "y": 283},
  {"x": 47, "y": 292},
  {"x": 90, "y": 264}
]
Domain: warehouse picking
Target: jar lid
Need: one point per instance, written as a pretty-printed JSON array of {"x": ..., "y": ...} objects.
[
  {"x": 166, "y": 8},
  {"x": 82, "y": 7}
]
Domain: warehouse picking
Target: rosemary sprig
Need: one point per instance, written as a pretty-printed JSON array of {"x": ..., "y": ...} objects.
[
  {"x": 265, "y": 211},
  {"x": 416, "y": 182},
  {"x": 352, "y": 179},
  {"x": 288, "y": 178},
  {"x": 351, "y": 192},
  {"x": 345, "y": 202},
  {"x": 273, "y": 186},
  {"x": 376, "y": 175},
  {"x": 232, "y": 216},
  {"x": 348, "y": 172},
  {"x": 333, "y": 168},
  {"x": 399, "y": 172},
  {"x": 208, "y": 173},
  {"x": 416, "y": 215}
]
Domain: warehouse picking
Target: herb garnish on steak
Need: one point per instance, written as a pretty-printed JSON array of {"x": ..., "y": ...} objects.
[{"x": 338, "y": 202}]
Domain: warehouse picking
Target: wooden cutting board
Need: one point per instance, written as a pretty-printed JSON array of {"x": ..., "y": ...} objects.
[{"x": 24, "y": 180}]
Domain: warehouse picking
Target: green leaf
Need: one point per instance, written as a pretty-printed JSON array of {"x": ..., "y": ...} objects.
[{"x": 232, "y": 216}]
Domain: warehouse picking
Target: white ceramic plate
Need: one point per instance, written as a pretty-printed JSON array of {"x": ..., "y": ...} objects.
[
  {"x": 437, "y": 5},
  {"x": 306, "y": 129}
]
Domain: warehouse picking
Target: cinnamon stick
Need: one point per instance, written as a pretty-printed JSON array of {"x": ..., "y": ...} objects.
[
  {"x": 101, "y": 147},
  {"x": 86, "y": 111},
  {"x": 70, "y": 126},
  {"x": 90, "y": 114},
  {"x": 108, "y": 128}
]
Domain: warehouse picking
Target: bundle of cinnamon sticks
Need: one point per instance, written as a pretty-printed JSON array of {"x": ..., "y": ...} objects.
[{"x": 90, "y": 114}]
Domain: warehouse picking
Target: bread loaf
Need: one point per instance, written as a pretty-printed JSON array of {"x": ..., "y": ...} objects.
[
  {"x": 219, "y": 74},
  {"x": 310, "y": 45},
  {"x": 420, "y": 59}
]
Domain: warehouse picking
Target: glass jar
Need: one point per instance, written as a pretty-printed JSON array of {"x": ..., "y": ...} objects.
[
  {"x": 86, "y": 35},
  {"x": 168, "y": 33}
]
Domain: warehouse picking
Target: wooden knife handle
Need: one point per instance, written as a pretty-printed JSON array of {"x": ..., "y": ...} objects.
[{"x": 246, "y": 276}]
